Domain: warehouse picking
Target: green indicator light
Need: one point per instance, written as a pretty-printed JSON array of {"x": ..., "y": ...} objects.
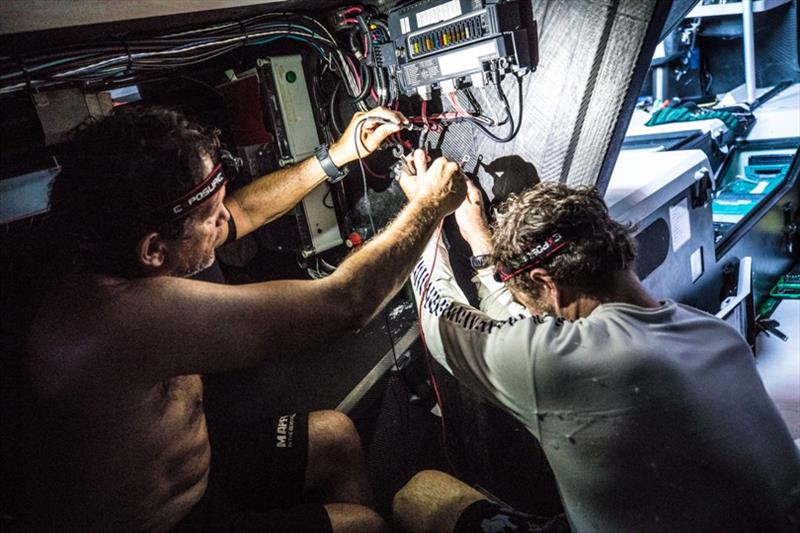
[{"x": 291, "y": 77}]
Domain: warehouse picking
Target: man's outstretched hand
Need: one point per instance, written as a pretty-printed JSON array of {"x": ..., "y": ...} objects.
[
  {"x": 368, "y": 129},
  {"x": 470, "y": 214},
  {"x": 442, "y": 183},
  {"x": 471, "y": 219}
]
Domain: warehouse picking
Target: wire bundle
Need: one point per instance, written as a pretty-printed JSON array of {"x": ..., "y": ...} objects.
[
  {"x": 476, "y": 117},
  {"x": 127, "y": 60}
]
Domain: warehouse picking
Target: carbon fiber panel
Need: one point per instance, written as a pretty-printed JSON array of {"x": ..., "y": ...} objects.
[{"x": 572, "y": 102}]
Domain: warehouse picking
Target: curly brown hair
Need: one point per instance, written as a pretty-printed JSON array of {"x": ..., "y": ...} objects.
[
  {"x": 597, "y": 247},
  {"x": 136, "y": 159}
]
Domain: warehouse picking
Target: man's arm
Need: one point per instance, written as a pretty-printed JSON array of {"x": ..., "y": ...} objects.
[
  {"x": 271, "y": 196},
  {"x": 495, "y": 299},
  {"x": 491, "y": 357},
  {"x": 161, "y": 327}
]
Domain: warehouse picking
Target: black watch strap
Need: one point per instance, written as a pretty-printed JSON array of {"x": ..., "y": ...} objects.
[
  {"x": 480, "y": 261},
  {"x": 333, "y": 172}
]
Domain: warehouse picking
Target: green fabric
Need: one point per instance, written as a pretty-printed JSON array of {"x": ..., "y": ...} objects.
[
  {"x": 683, "y": 114},
  {"x": 740, "y": 195}
]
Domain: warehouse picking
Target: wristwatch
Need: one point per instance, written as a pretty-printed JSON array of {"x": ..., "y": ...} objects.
[
  {"x": 334, "y": 173},
  {"x": 480, "y": 261}
]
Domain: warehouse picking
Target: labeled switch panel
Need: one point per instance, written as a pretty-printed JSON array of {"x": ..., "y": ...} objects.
[{"x": 457, "y": 42}]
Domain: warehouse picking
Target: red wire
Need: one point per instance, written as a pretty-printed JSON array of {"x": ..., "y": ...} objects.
[
  {"x": 373, "y": 173},
  {"x": 459, "y": 110},
  {"x": 428, "y": 356},
  {"x": 352, "y": 9},
  {"x": 448, "y": 115}
]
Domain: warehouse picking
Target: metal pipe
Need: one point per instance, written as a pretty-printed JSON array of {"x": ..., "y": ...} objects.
[
  {"x": 748, "y": 38},
  {"x": 659, "y": 83}
]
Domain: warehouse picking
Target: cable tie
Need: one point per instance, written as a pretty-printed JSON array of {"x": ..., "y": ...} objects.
[
  {"x": 129, "y": 65},
  {"x": 244, "y": 29},
  {"x": 26, "y": 73}
]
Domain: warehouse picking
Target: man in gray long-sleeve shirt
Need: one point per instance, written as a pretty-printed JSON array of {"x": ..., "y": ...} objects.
[{"x": 651, "y": 414}]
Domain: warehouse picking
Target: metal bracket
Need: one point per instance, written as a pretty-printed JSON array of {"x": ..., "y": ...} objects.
[
  {"x": 703, "y": 188},
  {"x": 789, "y": 227}
]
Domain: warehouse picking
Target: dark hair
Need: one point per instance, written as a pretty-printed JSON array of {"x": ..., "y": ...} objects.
[
  {"x": 117, "y": 169},
  {"x": 597, "y": 249}
]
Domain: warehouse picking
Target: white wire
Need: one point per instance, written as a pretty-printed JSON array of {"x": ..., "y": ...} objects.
[{"x": 214, "y": 46}]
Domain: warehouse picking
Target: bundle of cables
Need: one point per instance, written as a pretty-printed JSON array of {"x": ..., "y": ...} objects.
[
  {"x": 127, "y": 60},
  {"x": 476, "y": 117},
  {"x": 366, "y": 30}
]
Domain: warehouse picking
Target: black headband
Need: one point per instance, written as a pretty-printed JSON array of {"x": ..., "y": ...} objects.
[
  {"x": 194, "y": 198},
  {"x": 531, "y": 258}
]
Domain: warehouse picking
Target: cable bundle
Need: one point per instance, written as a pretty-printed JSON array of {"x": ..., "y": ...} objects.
[{"x": 129, "y": 60}]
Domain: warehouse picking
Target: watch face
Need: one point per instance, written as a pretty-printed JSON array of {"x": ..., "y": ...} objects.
[{"x": 480, "y": 261}]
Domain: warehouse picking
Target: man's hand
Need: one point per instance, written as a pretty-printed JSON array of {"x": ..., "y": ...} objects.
[
  {"x": 415, "y": 163},
  {"x": 472, "y": 224},
  {"x": 368, "y": 130},
  {"x": 443, "y": 184}
]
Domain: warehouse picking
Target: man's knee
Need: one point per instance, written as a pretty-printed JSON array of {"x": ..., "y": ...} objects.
[
  {"x": 333, "y": 434},
  {"x": 347, "y": 518},
  {"x": 414, "y": 489},
  {"x": 432, "y": 501}
]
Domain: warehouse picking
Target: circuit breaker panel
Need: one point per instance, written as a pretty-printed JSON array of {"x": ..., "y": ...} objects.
[
  {"x": 451, "y": 44},
  {"x": 289, "y": 105}
]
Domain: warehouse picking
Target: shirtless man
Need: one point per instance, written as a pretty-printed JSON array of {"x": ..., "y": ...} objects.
[{"x": 117, "y": 346}]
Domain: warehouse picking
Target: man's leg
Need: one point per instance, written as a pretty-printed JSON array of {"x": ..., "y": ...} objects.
[
  {"x": 337, "y": 472},
  {"x": 432, "y": 502}
]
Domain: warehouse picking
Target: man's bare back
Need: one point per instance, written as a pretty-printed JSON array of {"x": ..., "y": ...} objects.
[{"x": 134, "y": 454}]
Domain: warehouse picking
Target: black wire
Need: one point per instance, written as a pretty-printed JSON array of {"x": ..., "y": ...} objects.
[
  {"x": 367, "y": 205},
  {"x": 379, "y": 87},
  {"x": 476, "y": 106},
  {"x": 381, "y": 24},
  {"x": 332, "y": 108},
  {"x": 366, "y": 82},
  {"x": 353, "y": 40},
  {"x": 391, "y": 337},
  {"x": 404, "y": 407},
  {"x": 328, "y": 195},
  {"x": 513, "y": 128}
]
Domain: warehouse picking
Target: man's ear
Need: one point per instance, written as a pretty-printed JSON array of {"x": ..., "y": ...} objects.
[
  {"x": 545, "y": 281},
  {"x": 152, "y": 250}
]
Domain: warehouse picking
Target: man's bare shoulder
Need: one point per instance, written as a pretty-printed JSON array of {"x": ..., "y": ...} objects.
[
  {"x": 84, "y": 322},
  {"x": 96, "y": 330}
]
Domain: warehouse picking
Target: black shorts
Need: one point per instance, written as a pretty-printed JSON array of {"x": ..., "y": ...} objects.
[
  {"x": 256, "y": 481},
  {"x": 485, "y": 516}
]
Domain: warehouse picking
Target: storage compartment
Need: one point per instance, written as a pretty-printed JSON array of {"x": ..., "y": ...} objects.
[
  {"x": 666, "y": 196},
  {"x": 752, "y": 176}
]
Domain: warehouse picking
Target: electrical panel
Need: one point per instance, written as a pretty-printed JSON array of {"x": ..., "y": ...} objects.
[
  {"x": 449, "y": 44},
  {"x": 289, "y": 106}
]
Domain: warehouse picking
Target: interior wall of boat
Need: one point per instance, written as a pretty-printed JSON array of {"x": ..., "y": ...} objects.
[{"x": 576, "y": 105}]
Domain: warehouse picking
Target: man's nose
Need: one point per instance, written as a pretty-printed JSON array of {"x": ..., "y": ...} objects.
[{"x": 224, "y": 216}]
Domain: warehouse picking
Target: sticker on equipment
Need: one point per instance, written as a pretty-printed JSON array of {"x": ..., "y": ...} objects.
[{"x": 679, "y": 226}]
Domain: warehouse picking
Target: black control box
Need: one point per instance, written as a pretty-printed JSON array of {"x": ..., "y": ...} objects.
[{"x": 452, "y": 43}]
